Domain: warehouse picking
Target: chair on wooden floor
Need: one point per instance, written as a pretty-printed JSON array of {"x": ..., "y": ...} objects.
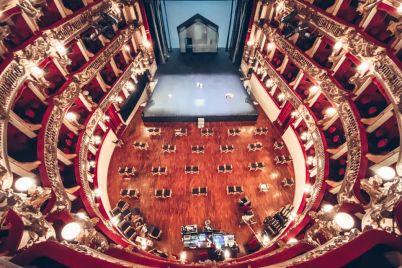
[
  {"x": 158, "y": 193},
  {"x": 203, "y": 191}
]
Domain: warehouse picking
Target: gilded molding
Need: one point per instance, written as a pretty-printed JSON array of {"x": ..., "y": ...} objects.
[
  {"x": 384, "y": 66},
  {"x": 345, "y": 112},
  {"x": 61, "y": 104}
]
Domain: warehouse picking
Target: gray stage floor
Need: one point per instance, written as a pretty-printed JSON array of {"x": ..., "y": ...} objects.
[{"x": 178, "y": 98}]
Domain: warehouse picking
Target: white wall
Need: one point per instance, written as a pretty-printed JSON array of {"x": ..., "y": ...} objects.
[
  {"x": 296, "y": 152},
  {"x": 105, "y": 156},
  {"x": 264, "y": 99},
  {"x": 203, "y": 37},
  {"x": 216, "y": 11}
]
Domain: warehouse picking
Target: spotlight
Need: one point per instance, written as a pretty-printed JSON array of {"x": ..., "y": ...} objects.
[
  {"x": 344, "y": 220},
  {"x": 304, "y": 136},
  {"x": 119, "y": 99},
  {"x": 71, "y": 231},
  {"x": 292, "y": 241},
  {"x": 281, "y": 97},
  {"x": 82, "y": 215},
  {"x": 307, "y": 188},
  {"x": 386, "y": 173},
  {"x": 265, "y": 239},
  {"x": 97, "y": 192},
  {"x": 23, "y": 184},
  {"x": 97, "y": 139},
  {"x": 310, "y": 160}
]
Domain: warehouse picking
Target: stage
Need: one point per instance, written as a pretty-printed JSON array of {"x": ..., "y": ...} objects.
[{"x": 201, "y": 86}]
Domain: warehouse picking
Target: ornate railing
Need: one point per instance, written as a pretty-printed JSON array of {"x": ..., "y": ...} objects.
[
  {"x": 346, "y": 114},
  {"x": 60, "y": 107}
]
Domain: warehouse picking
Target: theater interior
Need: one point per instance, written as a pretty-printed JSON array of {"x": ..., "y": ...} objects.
[{"x": 200, "y": 133}]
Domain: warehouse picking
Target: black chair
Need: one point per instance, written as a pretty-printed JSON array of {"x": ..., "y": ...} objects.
[
  {"x": 124, "y": 225},
  {"x": 115, "y": 212},
  {"x": 158, "y": 193},
  {"x": 130, "y": 233},
  {"x": 195, "y": 191},
  {"x": 121, "y": 204},
  {"x": 203, "y": 190}
]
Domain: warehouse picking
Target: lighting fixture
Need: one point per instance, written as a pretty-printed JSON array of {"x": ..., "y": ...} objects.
[
  {"x": 250, "y": 42},
  {"x": 304, "y": 136},
  {"x": 226, "y": 254},
  {"x": 363, "y": 67},
  {"x": 330, "y": 111},
  {"x": 292, "y": 241},
  {"x": 70, "y": 116},
  {"x": 130, "y": 86},
  {"x": 82, "y": 215},
  {"x": 281, "y": 97},
  {"x": 71, "y": 231},
  {"x": 294, "y": 114},
  {"x": 97, "y": 139},
  {"x": 23, "y": 184},
  {"x": 36, "y": 71},
  {"x": 265, "y": 239},
  {"x": 146, "y": 43},
  {"x": 269, "y": 83},
  {"x": 344, "y": 221},
  {"x": 60, "y": 48},
  {"x": 386, "y": 173},
  {"x": 183, "y": 256},
  {"x": 114, "y": 220},
  {"x": 327, "y": 208},
  {"x": 399, "y": 9},
  {"x": 270, "y": 46},
  {"x": 97, "y": 192},
  {"x": 314, "y": 89},
  {"x": 119, "y": 99},
  {"x": 127, "y": 48},
  {"x": 338, "y": 45},
  {"x": 310, "y": 160},
  {"x": 307, "y": 188},
  {"x": 281, "y": 6}
]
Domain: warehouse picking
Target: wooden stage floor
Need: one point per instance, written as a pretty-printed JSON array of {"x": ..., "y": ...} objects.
[{"x": 183, "y": 208}]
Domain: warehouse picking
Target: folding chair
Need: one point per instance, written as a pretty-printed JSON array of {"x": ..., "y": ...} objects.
[
  {"x": 124, "y": 192},
  {"x": 167, "y": 193},
  {"x": 130, "y": 233},
  {"x": 126, "y": 213},
  {"x": 221, "y": 169},
  {"x": 188, "y": 169},
  {"x": 230, "y": 189},
  {"x": 124, "y": 225},
  {"x": 195, "y": 169},
  {"x": 158, "y": 193},
  {"x": 238, "y": 189},
  {"x": 195, "y": 191},
  {"x": 203, "y": 191}
]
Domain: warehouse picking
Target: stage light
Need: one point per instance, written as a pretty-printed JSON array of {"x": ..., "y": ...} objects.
[
  {"x": 338, "y": 45},
  {"x": 71, "y": 231},
  {"x": 344, "y": 220},
  {"x": 70, "y": 116},
  {"x": 399, "y": 9},
  {"x": 23, "y": 184},
  {"x": 292, "y": 241},
  {"x": 330, "y": 111},
  {"x": 363, "y": 67},
  {"x": 226, "y": 254},
  {"x": 183, "y": 256},
  {"x": 386, "y": 173},
  {"x": 327, "y": 208},
  {"x": 314, "y": 89},
  {"x": 270, "y": 46},
  {"x": 37, "y": 72},
  {"x": 199, "y": 102}
]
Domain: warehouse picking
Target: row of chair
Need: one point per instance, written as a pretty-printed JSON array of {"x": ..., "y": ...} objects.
[
  {"x": 231, "y": 190},
  {"x": 127, "y": 171},
  {"x": 226, "y": 168},
  {"x": 256, "y": 166},
  {"x": 163, "y": 193},
  {"x": 199, "y": 191},
  {"x": 157, "y": 171},
  {"x": 282, "y": 159},
  {"x": 131, "y": 193},
  {"x": 252, "y": 147}
]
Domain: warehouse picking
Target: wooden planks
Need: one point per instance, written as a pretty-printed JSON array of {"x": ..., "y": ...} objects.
[{"x": 183, "y": 208}]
